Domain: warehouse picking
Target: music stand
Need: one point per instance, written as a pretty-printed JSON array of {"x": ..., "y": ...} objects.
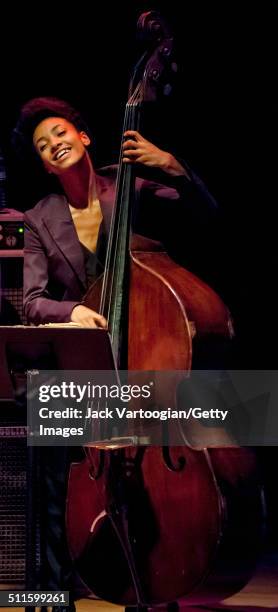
[{"x": 51, "y": 348}]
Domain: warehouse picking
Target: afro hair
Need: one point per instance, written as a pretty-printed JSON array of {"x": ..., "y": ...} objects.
[{"x": 36, "y": 110}]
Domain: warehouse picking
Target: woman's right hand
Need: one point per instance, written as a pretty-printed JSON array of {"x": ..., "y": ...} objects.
[{"x": 87, "y": 318}]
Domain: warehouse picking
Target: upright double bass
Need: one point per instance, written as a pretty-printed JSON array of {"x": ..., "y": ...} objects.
[{"x": 151, "y": 525}]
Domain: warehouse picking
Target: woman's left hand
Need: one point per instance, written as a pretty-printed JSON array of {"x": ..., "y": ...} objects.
[{"x": 137, "y": 149}]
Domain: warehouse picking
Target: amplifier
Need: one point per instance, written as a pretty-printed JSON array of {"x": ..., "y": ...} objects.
[
  {"x": 11, "y": 289},
  {"x": 11, "y": 230},
  {"x": 14, "y": 501},
  {"x": 11, "y": 267},
  {"x": 13, "y": 451}
]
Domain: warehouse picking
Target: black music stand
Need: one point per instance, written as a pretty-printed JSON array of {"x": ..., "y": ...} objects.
[
  {"x": 24, "y": 348},
  {"x": 51, "y": 348}
]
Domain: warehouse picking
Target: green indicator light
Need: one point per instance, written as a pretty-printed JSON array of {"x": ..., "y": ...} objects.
[{"x": 20, "y": 230}]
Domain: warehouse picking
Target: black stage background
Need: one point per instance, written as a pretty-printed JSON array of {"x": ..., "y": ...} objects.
[{"x": 219, "y": 119}]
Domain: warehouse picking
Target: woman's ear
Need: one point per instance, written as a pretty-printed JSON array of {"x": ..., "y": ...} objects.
[{"x": 85, "y": 138}]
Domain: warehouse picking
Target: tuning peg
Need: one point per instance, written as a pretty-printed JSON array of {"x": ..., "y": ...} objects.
[
  {"x": 167, "y": 89},
  {"x": 154, "y": 74},
  {"x": 165, "y": 50}
]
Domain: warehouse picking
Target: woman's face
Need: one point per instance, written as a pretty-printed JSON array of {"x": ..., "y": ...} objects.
[{"x": 59, "y": 144}]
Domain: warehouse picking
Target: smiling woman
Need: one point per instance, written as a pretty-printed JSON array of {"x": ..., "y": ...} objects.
[
  {"x": 59, "y": 265},
  {"x": 59, "y": 144}
]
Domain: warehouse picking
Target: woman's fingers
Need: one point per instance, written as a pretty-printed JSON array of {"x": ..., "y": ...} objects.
[{"x": 87, "y": 318}]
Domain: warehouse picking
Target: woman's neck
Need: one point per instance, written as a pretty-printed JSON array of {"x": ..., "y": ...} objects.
[{"x": 79, "y": 183}]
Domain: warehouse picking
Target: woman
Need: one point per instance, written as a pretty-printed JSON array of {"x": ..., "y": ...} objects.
[
  {"x": 66, "y": 234},
  {"x": 65, "y": 242}
]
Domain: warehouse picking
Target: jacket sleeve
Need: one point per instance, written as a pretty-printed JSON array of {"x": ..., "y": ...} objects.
[
  {"x": 181, "y": 213},
  {"x": 38, "y": 306},
  {"x": 194, "y": 185}
]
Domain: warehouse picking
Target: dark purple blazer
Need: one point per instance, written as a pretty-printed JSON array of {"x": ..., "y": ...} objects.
[{"x": 54, "y": 271}]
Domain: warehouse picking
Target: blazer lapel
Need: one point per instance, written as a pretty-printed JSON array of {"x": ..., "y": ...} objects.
[
  {"x": 106, "y": 194},
  {"x": 58, "y": 223}
]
